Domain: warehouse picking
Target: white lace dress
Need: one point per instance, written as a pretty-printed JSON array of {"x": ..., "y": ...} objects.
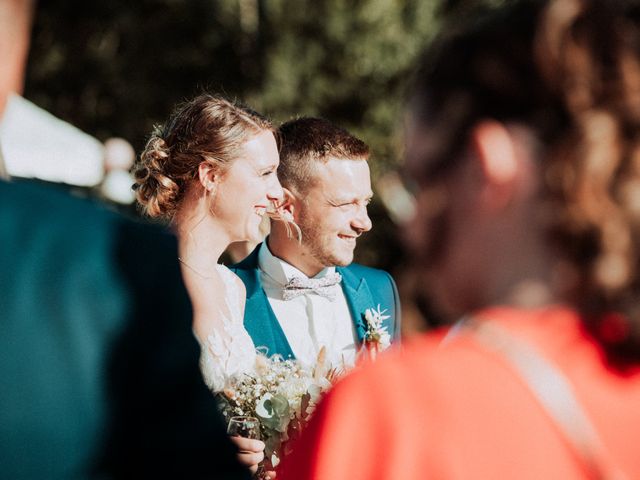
[{"x": 228, "y": 352}]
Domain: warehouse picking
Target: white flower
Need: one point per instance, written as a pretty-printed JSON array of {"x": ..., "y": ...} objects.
[
  {"x": 262, "y": 365},
  {"x": 375, "y": 333},
  {"x": 385, "y": 339},
  {"x": 260, "y": 408},
  {"x": 293, "y": 390},
  {"x": 370, "y": 318},
  {"x": 287, "y": 386},
  {"x": 375, "y": 317}
]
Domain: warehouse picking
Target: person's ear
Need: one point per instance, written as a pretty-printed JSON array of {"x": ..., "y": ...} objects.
[
  {"x": 208, "y": 176},
  {"x": 289, "y": 204},
  {"x": 497, "y": 154}
]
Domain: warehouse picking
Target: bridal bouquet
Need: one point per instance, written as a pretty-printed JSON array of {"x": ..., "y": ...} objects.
[{"x": 282, "y": 395}]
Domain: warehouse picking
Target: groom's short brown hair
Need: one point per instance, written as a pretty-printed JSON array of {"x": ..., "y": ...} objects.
[{"x": 305, "y": 142}]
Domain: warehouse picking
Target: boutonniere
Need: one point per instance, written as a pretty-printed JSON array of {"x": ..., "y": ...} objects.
[{"x": 376, "y": 338}]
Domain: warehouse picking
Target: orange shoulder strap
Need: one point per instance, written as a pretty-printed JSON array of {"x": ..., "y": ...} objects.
[{"x": 554, "y": 392}]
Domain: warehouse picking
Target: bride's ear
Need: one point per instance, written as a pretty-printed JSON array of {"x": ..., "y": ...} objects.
[{"x": 208, "y": 176}]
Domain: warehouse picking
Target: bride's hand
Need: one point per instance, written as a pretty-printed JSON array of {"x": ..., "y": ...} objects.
[{"x": 251, "y": 452}]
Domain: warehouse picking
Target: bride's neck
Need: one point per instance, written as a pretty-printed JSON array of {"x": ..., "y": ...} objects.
[{"x": 201, "y": 238}]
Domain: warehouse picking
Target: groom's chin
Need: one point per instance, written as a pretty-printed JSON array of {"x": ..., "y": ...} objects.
[{"x": 342, "y": 259}]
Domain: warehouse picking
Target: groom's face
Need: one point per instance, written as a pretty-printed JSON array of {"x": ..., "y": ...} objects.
[{"x": 333, "y": 212}]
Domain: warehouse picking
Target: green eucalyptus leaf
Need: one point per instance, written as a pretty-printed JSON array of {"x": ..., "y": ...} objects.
[{"x": 280, "y": 405}]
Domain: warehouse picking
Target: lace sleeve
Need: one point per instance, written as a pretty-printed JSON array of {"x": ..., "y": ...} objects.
[{"x": 229, "y": 351}]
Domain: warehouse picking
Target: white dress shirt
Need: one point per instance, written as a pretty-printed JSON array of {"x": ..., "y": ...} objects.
[{"x": 309, "y": 321}]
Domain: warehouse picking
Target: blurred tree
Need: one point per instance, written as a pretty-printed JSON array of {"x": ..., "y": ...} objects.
[
  {"x": 114, "y": 68},
  {"x": 348, "y": 61},
  {"x": 345, "y": 60}
]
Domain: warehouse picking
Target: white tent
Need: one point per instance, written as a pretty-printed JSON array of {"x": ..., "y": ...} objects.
[{"x": 35, "y": 144}]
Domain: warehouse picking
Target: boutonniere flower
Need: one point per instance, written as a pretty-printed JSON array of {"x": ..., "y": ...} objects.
[{"x": 376, "y": 338}]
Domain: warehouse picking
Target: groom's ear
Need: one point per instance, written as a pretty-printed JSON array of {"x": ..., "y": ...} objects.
[{"x": 289, "y": 201}]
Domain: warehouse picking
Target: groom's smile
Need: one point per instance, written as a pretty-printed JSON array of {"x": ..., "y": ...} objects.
[
  {"x": 350, "y": 240},
  {"x": 334, "y": 213}
]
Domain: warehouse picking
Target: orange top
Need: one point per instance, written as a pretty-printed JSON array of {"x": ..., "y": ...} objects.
[{"x": 460, "y": 411}]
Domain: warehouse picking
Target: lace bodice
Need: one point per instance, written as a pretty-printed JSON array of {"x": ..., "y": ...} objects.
[{"x": 228, "y": 351}]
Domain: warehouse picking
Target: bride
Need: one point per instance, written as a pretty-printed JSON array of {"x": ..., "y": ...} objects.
[{"x": 211, "y": 171}]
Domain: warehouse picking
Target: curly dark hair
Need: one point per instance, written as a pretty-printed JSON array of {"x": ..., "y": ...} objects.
[{"x": 570, "y": 71}]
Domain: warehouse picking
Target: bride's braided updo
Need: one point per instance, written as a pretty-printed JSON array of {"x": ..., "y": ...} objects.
[{"x": 206, "y": 129}]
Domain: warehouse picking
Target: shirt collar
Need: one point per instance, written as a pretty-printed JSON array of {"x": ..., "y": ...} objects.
[{"x": 280, "y": 270}]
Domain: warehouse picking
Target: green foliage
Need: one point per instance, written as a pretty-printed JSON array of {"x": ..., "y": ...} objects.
[
  {"x": 347, "y": 61},
  {"x": 114, "y": 68},
  {"x": 277, "y": 413},
  {"x": 117, "y": 67}
]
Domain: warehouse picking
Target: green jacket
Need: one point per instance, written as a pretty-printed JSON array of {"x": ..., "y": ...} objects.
[
  {"x": 363, "y": 288},
  {"x": 98, "y": 364}
]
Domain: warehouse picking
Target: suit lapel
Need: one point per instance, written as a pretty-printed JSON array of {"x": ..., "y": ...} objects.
[
  {"x": 259, "y": 319},
  {"x": 358, "y": 297}
]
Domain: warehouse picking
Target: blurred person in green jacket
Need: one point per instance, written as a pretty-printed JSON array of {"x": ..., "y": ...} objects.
[{"x": 98, "y": 362}]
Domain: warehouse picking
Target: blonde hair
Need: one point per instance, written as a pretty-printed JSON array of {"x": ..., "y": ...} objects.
[{"x": 206, "y": 129}]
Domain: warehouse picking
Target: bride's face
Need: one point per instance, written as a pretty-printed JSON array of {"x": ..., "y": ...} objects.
[{"x": 248, "y": 187}]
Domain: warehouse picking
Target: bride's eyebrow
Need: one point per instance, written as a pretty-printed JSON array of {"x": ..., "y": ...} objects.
[{"x": 266, "y": 168}]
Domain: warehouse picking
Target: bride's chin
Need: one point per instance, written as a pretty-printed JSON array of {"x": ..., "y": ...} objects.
[
  {"x": 255, "y": 238},
  {"x": 252, "y": 235}
]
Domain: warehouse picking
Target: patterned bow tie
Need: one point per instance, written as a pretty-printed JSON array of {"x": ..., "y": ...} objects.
[{"x": 320, "y": 286}]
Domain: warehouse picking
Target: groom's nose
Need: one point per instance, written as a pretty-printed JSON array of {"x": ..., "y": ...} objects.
[{"x": 361, "y": 221}]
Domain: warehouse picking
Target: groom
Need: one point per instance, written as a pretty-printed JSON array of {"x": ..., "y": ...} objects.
[{"x": 305, "y": 295}]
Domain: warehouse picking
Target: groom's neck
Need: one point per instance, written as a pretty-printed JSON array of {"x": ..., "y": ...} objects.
[{"x": 292, "y": 251}]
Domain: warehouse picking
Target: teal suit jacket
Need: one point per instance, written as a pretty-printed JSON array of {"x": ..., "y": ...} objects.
[
  {"x": 98, "y": 362},
  {"x": 363, "y": 287}
]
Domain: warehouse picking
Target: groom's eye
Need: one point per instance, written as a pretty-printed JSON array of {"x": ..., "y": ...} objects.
[{"x": 343, "y": 205}]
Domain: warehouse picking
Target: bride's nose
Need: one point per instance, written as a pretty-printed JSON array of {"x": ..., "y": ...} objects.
[{"x": 275, "y": 192}]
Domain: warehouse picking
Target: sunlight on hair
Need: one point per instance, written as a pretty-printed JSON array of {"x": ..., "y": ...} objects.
[{"x": 280, "y": 215}]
